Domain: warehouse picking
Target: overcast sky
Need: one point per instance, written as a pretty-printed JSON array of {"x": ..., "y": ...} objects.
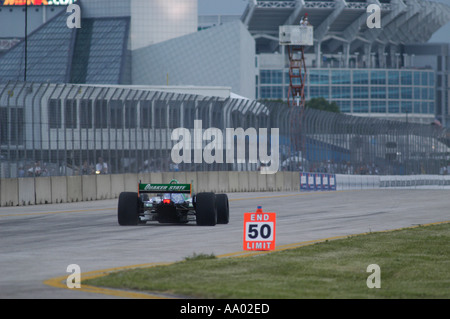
[
  {"x": 222, "y": 6},
  {"x": 237, "y": 7}
]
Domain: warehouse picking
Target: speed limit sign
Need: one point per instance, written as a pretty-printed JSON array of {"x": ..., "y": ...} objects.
[{"x": 259, "y": 230}]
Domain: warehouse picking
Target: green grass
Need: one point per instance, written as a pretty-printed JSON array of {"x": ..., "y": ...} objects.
[{"x": 414, "y": 263}]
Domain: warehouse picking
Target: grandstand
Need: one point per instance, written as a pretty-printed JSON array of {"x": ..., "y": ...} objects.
[{"x": 368, "y": 72}]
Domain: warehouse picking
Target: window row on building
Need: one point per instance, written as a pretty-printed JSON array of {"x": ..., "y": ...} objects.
[
  {"x": 359, "y": 91},
  {"x": 383, "y": 106},
  {"x": 356, "y": 92},
  {"x": 354, "y": 76}
]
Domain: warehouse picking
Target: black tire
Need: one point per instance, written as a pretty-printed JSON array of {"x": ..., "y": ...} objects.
[
  {"x": 128, "y": 209},
  {"x": 223, "y": 211},
  {"x": 205, "y": 209}
]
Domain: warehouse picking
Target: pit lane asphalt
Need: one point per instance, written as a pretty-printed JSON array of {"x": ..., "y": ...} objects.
[{"x": 37, "y": 243}]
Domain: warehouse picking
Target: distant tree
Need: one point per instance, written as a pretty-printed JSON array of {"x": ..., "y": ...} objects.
[{"x": 322, "y": 104}]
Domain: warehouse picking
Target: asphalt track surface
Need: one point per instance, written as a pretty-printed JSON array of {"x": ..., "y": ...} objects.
[{"x": 37, "y": 243}]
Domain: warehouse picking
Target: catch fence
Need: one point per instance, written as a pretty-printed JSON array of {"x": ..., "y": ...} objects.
[{"x": 67, "y": 129}]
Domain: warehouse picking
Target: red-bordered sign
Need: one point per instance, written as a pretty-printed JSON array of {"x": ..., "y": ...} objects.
[{"x": 259, "y": 230}]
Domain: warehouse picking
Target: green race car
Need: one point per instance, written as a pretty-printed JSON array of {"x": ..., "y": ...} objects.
[{"x": 172, "y": 203}]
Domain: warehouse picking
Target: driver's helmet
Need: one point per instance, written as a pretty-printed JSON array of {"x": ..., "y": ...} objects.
[{"x": 177, "y": 198}]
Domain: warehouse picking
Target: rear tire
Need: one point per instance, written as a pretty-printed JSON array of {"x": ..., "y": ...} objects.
[
  {"x": 128, "y": 209},
  {"x": 205, "y": 209},
  {"x": 223, "y": 211}
]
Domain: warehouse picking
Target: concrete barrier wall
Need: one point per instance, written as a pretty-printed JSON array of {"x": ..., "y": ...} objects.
[
  {"x": 68, "y": 189},
  {"x": 61, "y": 189},
  {"x": 348, "y": 182}
]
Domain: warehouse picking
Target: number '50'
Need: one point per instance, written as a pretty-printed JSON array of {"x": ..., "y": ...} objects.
[{"x": 256, "y": 230}]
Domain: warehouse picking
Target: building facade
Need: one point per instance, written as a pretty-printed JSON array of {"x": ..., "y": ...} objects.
[{"x": 378, "y": 72}]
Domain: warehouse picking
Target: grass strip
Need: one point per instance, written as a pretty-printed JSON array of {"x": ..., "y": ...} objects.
[{"x": 414, "y": 263}]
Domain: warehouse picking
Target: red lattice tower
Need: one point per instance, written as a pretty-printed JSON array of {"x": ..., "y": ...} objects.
[
  {"x": 295, "y": 38},
  {"x": 297, "y": 76}
]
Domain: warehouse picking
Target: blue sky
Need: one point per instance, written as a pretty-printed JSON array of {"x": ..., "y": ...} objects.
[{"x": 238, "y": 6}]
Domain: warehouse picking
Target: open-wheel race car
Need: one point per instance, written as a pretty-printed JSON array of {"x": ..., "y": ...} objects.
[{"x": 172, "y": 203}]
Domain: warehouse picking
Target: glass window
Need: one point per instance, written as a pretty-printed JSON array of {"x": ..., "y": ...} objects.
[
  {"x": 47, "y": 54},
  {"x": 324, "y": 77},
  {"x": 406, "y": 107},
  {"x": 70, "y": 113},
  {"x": 417, "y": 93},
  {"x": 336, "y": 92},
  {"x": 146, "y": 114},
  {"x": 116, "y": 114},
  {"x": 340, "y": 92},
  {"x": 378, "y": 106},
  {"x": 406, "y": 92},
  {"x": 393, "y": 77},
  {"x": 417, "y": 107},
  {"x": 424, "y": 94},
  {"x": 346, "y": 92},
  {"x": 101, "y": 115},
  {"x": 378, "y": 77},
  {"x": 431, "y": 108},
  {"x": 86, "y": 114},
  {"x": 4, "y": 120},
  {"x": 424, "y": 107},
  {"x": 161, "y": 114},
  {"x": 417, "y": 78},
  {"x": 314, "y": 77},
  {"x": 274, "y": 92},
  {"x": 340, "y": 77},
  {"x": 131, "y": 114},
  {"x": 406, "y": 77},
  {"x": 393, "y": 92},
  {"x": 265, "y": 92},
  {"x": 17, "y": 126},
  {"x": 276, "y": 77},
  {"x": 431, "y": 94},
  {"x": 265, "y": 76},
  {"x": 424, "y": 78},
  {"x": 54, "y": 113},
  {"x": 106, "y": 38},
  {"x": 314, "y": 91},
  {"x": 393, "y": 107},
  {"x": 344, "y": 106},
  {"x": 175, "y": 119},
  {"x": 272, "y": 76},
  {"x": 324, "y": 92},
  {"x": 360, "y": 106},
  {"x": 360, "y": 77},
  {"x": 378, "y": 92},
  {"x": 431, "y": 78},
  {"x": 361, "y": 92},
  {"x": 286, "y": 76},
  {"x": 277, "y": 92}
]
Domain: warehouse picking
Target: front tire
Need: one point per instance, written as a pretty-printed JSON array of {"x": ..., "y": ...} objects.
[
  {"x": 128, "y": 209},
  {"x": 205, "y": 209}
]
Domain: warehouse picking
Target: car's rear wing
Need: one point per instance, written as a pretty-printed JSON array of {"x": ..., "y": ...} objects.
[{"x": 165, "y": 188}]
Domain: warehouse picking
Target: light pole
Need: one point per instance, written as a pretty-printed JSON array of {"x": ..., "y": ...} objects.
[{"x": 26, "y": 41}]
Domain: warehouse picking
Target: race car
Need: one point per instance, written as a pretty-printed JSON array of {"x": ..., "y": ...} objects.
[{"x": 173, "y": 203}]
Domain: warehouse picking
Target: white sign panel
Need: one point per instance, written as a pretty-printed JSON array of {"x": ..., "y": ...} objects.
[{"x": 296, "y": 35}]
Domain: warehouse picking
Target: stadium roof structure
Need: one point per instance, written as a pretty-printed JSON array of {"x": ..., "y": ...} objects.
[{"x": 341, "y": 24}]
